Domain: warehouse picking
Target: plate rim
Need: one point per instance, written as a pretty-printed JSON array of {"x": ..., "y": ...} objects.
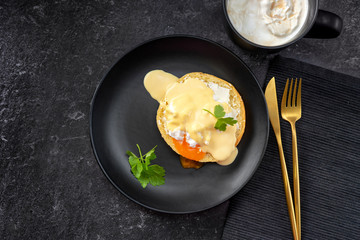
[{"x": 91, "y": 113}]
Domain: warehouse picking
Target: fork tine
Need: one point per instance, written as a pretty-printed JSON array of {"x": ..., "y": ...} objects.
[
  {"x": 290, "y": 91},
  {"x": 284, "y": 97},
  {"x": 298, "y": 100},
  {"x": 294, "y": 94}
]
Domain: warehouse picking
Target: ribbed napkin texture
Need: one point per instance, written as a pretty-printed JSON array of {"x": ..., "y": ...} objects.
[{"x": 329, "y": 162}]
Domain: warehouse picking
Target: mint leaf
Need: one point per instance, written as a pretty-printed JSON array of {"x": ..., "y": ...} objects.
[
  {"x": 219, "y": 111},
  {"x": 143, "y": 171}
]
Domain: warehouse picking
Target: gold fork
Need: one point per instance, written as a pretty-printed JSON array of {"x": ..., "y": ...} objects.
[{"x": 291, "y": 112}]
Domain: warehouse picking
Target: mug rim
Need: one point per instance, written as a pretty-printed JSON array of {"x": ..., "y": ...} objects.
[{"x": 270, "y": 47}]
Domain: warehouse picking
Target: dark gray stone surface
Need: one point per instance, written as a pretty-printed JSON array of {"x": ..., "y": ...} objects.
[{"x": 52, "y": 57}]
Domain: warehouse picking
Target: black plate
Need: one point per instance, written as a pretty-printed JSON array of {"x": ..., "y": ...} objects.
[{"x": 123, "y": 115}]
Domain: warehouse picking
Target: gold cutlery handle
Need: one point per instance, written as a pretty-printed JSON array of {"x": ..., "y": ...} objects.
[
  {"x": 296, "y": 179},
  {"x": 287, "y": 189}
]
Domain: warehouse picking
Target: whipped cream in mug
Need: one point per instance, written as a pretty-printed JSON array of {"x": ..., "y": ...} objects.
[{"x": 268, "y": 22}]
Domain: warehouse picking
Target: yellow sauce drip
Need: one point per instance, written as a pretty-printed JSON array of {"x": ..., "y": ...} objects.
[
  {"x": 230, "y": 159},
  {"x": 157, "y": 82}
]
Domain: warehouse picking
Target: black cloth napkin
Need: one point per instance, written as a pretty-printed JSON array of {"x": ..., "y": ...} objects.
[{"x": 329, "y": 163}]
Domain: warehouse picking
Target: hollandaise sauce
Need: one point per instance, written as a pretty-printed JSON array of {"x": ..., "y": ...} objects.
[{"x": 191, "y": 128}]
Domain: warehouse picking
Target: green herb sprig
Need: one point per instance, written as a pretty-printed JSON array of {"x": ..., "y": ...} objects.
[
  {"x": 143, "y": 171},
  {"x": 222, "y": 122}
]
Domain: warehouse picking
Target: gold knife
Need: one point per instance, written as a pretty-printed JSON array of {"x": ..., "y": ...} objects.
[{"x": 272, "y": 103}]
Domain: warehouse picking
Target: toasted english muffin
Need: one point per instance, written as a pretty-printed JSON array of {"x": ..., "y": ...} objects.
[{"x": 235, "y": 102}]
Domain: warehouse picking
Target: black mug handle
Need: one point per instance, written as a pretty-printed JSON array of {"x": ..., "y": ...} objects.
[{"x": 327, "y": 25}]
